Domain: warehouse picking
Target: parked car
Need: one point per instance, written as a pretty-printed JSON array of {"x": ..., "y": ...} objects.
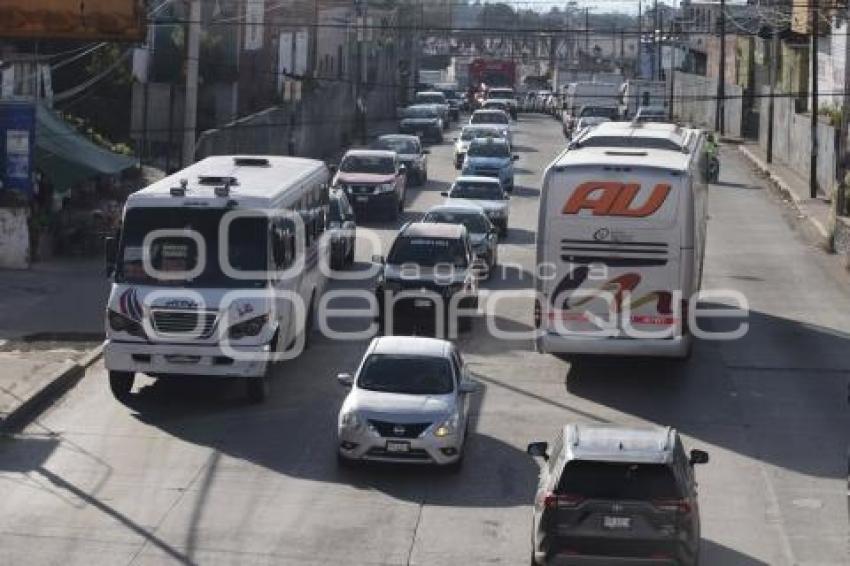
[
  {"x": 410, "y": 153},
  {"x": 428, "y": 289},
  {"x": 409, "y": 402},
  {"x": 469, "y": 133},
  {"x": 652, "y": 114},
  {"x": 342, "y": 227},
  {"x": 486, "y": 192},
  {"x": 616, "y": 495},
  {"x": 373, "y": 180},
  {"x": 423, "y": 121},
  {"x": 490, "y": 157},
  {"x": 483, "y": 234},
  {"x": 436, "y": 98},
  {"x": 495, "y": 118}
]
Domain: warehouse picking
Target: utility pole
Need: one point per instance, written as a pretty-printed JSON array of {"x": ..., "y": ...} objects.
[
  {"x": 842, "y": 158},
  {"x": 672, "y": 70},
  {"x": 587, "y": 31},
  {"x": 655, "y": 61},
  {"x": 771, "y": 70},
  {"x": 720, "y": 109},
  {"x": 639, "y": 69},
  {"x": 660, "y": 45},
  {"x": 190, "y": 118},
  {"x": 813, "y": 172}
]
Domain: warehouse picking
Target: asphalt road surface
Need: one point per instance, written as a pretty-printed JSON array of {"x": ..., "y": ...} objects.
[{"x": 189, "y": 473}]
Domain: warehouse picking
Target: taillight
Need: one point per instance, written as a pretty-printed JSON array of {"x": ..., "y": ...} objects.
[
  {"x": 673, "y": 505},
  {"x": 564, "y": 500}
]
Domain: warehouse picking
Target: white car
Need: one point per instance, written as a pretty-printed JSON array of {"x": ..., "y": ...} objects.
[
  {"x": 409, "y": 402},
  {"x": 486, "y": 192},
  {"x": 498, "y": 118},
  {"x": 469, "y": 133}
]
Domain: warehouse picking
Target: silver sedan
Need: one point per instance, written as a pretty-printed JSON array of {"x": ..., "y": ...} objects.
[{"x": 409, "y": 402}]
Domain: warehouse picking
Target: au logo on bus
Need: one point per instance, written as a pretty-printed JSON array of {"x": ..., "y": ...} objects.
[{"x": 612, "y": 198}]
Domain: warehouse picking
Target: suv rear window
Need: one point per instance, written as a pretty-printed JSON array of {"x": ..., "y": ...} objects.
[{"x": 616, "y": 480}]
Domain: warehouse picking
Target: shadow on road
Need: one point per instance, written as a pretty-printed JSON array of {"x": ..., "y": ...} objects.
[{"x": 712, "y": 553}]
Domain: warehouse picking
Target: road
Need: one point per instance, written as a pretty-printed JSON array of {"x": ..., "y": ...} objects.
[{"x": 191, "y": 474}]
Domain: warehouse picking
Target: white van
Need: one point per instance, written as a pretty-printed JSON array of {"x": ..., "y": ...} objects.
[
  {"x": 216, "y": 268},
  {"x": 643, "y": 92},
  {"x": 580, "y": 94},
  {"x": 621, "y": 241}
]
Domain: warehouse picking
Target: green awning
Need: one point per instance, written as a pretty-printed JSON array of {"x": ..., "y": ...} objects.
[{"x": 67, "y": 157}]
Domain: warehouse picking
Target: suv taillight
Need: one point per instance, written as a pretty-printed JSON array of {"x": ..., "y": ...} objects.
[
  {"x": 679, "y": 505},
  {"x": 564, "y": 500}
]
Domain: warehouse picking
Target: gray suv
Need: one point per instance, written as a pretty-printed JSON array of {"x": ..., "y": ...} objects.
[{"x": 616, "y": 495}]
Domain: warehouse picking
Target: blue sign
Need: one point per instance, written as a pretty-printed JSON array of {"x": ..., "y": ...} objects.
[{"x": 17, "y": 146}]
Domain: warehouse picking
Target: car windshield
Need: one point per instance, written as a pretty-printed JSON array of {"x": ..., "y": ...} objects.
[
  {"x": 481, "y": 191},
  {"x": 398, "y": 145},
  {"x": 430, "y": 99},
  {"x": 598, "y": 112},
  {"x": 475, "y": 222},
  {"x": 470, "y": 134},
  {"x": 410, "y": 375},
  {"x": 428, "y": 251},
  {"x": 374, "y": 164},
  {"x": 421, "y": 112},
  {"x": 246, "y": 247},
  {"x": 489, "y": 118},
  {"x": 617, "y": 480},
  {"x": 488, "y": 149}
]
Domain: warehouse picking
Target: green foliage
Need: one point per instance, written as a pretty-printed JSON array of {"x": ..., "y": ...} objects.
[{"x": 85, "y": 128}]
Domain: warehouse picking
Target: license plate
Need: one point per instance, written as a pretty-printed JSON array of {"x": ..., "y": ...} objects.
[
  {"x": 181, "y": 359},
  {"x": 422, "y": 303},
  {"x": 617, "y": 522},
  {"x": 362, "y": 199},
  {"x": 398, "y": 447}
]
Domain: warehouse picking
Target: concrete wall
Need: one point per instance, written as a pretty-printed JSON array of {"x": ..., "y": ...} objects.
[
  {"x": 792, "y": 141},
  {"x": 14, "y": 239},
  {"x": 694, "y": 102}
]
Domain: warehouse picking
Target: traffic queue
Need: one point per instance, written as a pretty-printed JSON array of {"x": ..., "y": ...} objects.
[{"x": 204, "y": 276}]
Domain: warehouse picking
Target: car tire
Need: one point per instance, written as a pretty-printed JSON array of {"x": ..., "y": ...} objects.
[
  {"x": 455, "y": 467},
  {"x": 121, "y": 384}
]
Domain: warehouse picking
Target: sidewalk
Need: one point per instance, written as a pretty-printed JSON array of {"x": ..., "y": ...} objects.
[
  {"x": 51, "y": 324},
  {"x": 816, "y": 212}
]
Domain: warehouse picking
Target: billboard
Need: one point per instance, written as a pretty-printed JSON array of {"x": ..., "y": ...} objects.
[
  {"x": 17, "y": 145},
  {"x": 92, "y": 20}
]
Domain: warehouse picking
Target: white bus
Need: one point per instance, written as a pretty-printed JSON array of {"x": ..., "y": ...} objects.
[
  {"x": 215, "y": 269},
  {"x": 621, "y": 240}
]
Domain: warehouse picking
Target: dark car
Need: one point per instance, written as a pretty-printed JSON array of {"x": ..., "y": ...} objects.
[
  {"x": 424, "y": 121},
  {"x": 342, "y": 227},
  {"x": 373, "y": 180},
  {"x": 427, "y": 266},
  {"x": 616, "y": 495},
  {"x": 410, "y": 152}
]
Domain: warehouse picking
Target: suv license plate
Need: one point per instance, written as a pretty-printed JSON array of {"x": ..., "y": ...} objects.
[
  {"x": 615, "y": 523},
  {"x": 398, "y": 447}
]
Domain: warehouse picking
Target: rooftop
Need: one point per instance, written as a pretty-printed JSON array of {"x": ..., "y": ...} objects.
[
  {"x": 410, "y": 345},
  {"x": 620, "y": 443}
]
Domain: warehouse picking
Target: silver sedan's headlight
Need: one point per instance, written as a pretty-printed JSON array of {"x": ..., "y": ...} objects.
[
  {"x": 350, "y": 420},
  {"x": 448, "y": 427}
]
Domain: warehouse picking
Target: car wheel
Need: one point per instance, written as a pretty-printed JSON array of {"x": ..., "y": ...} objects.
[
  {"x": 121, "y": 384},
  {"x": 456, "y": 466}
]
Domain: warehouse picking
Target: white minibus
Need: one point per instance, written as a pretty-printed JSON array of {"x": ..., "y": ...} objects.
[
  {"x": 216, "y": 269},
  {"x": 621, "y": 240}
]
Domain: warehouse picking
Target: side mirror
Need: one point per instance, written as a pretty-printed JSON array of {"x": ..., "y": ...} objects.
[
  {"x": 378, "y": 259},
  {"x": 333, "y": 168},
  {"x": 515, "y": 157},
  {"x": 467, "y": 386},
  {"x": 110, "y": 245},
  {"x": 345, "y": 379},
  {"x": 444, "y": 193},
  {"x": 698, "y": 457},
  {"x": 538, "y": 450}
]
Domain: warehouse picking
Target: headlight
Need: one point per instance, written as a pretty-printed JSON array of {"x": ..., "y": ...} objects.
[
  {"x": 350, "y": 419},
  {"x": 251, "y": 327},
  {"x": 120, "y": 323},
  {"x": 447, "y": 427},
  {"x": 386, "y": 188}
]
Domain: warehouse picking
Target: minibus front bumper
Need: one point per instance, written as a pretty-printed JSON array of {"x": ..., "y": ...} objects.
[
  {"x": 554, "y": 343},
  {"x": 183, "y": 359}
]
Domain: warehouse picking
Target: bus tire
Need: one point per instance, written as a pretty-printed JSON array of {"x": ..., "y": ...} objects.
[{"x": 121, "y": 384}]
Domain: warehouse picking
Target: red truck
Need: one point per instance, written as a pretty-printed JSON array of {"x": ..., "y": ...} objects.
[{"x": 492, "y": 72}]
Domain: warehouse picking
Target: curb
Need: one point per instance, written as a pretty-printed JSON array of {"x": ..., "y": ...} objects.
[
  {"x": 59, "y": 383},
  {"x": 786, "y": 192}
]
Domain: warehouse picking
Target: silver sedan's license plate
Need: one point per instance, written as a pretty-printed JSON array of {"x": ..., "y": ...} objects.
[
  {"x": 617, "y": 522},
  {"x": 398, "y": 447}
]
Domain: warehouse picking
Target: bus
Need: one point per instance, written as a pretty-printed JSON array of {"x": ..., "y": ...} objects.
[
  {"x": 621, "y": 241},
  {"x": 216, "y": 270}
]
